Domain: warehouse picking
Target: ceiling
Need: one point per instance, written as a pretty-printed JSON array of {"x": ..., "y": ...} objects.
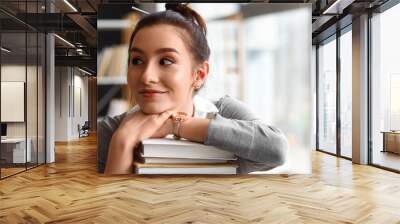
[{"x": 77, "y": 23}]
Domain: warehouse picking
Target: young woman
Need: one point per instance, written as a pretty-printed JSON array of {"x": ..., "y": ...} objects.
[{"x": 168, "y": 64}]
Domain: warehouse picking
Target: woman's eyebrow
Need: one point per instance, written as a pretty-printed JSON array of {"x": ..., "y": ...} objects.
[
  {"x": 136, "y": 49},
  {"x": 163, "y": 50},
  {"x": 158, "y": 51}
]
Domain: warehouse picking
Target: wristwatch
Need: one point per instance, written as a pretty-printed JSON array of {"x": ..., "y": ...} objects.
[{"x": 177, "y": 119}]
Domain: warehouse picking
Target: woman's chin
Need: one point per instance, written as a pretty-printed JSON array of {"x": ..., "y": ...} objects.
[{"x": 152, "y": 108}]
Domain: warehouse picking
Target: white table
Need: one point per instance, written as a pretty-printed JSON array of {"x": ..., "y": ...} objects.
[{"x": 18, "y": 149}]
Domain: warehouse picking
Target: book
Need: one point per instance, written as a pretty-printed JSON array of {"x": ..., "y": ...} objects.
[
  {"x": 184, "y": 149},
  {"x": 178, "y": 160},
  {"x": 171, "y": 156},
  {"x": 144, "y": 168}
]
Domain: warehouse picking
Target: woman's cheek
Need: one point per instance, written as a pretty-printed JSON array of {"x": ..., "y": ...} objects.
[
  {"x": 135, "y": 75},
  {"x": 169, "y": 78},
  {"x": 132, "y": 78}
]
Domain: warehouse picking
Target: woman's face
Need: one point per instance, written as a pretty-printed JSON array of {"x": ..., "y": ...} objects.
[{"x": 160, "y": 70}]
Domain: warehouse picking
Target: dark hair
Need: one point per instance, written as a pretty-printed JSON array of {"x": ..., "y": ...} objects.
[{"x": 182, "y": 16}]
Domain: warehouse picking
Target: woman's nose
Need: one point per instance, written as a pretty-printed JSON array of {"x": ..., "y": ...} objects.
[{"x": 150, "y": 74}]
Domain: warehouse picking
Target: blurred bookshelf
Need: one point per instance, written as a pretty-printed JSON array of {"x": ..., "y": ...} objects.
[{"x": 114, "y": 26}]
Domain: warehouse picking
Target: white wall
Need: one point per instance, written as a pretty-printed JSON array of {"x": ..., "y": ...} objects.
[
  {"x": 33, "y": 127},
  {"x": 80, "y": 96},
  {"x": 16, "y": 73},
  {"x": 71, "y": 93},
  {"x": 61, "y": 103}
]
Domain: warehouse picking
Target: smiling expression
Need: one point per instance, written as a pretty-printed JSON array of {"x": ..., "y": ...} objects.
[{"x": 160, "y": 70}]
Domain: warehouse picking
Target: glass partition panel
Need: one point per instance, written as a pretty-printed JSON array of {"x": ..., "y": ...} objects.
[
  {"x": 346, "y": 94},
  {"x": 41, "y": 78},
  {"x": 385, "y": 114},
  {"x": 327, "y": 97},
  {"x": 22, "y": 64},
  {"x": 31, "y": 97},
  {"x": 14, "y": 150}
]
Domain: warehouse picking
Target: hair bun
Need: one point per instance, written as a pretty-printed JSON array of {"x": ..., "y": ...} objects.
[
  {"x": 173, "y": 6},
  {"x": 188, "y": 13}
]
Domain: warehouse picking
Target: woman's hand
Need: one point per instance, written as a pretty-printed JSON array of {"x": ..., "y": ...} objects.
[
  {"x": 164, "y": 130},
  {"x": 134, "y": 128},
  {"x": 139, "y": 126}
]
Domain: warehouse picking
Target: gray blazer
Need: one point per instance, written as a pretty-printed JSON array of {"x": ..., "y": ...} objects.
[{"x": 234, "y": 128}]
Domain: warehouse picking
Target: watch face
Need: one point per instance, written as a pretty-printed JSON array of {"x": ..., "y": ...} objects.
[
  {"x": 180, "y": 116},
  {"x": 177, "y": 118}
]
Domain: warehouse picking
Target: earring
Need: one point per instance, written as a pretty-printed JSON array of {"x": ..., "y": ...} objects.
[{"x": 197, "y": 83}]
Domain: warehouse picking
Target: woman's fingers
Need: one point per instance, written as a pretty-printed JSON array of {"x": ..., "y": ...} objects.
[
  {"x": 166, "y": 114},
  {"x": 159, "y": 119},
  {"x": 153, "y": 123}
]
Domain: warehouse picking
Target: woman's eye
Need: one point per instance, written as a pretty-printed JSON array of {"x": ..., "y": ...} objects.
[
  {"x": 137, "y": 61},
  {"x": 165, "y": 61}
]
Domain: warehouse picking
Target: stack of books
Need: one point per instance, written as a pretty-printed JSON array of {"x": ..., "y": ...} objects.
[{"x": 170, "y": 156}]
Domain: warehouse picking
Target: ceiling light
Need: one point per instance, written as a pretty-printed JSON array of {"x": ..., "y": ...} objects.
[
  {"x": 70, "y": 5},
  {"x": 338, "y": 6},
  {"x": 65, "y": 41},
  {"x": 5, "y": 49},
  {"x": 140, "y": 10},
  {"x": 84, "y": 71}
]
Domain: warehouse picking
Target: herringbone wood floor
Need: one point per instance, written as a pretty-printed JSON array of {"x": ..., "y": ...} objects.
[{"x": 70, "y": 191}]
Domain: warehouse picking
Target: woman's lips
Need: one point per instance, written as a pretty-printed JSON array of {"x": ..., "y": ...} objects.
[{"x": 151, "y": 93}]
